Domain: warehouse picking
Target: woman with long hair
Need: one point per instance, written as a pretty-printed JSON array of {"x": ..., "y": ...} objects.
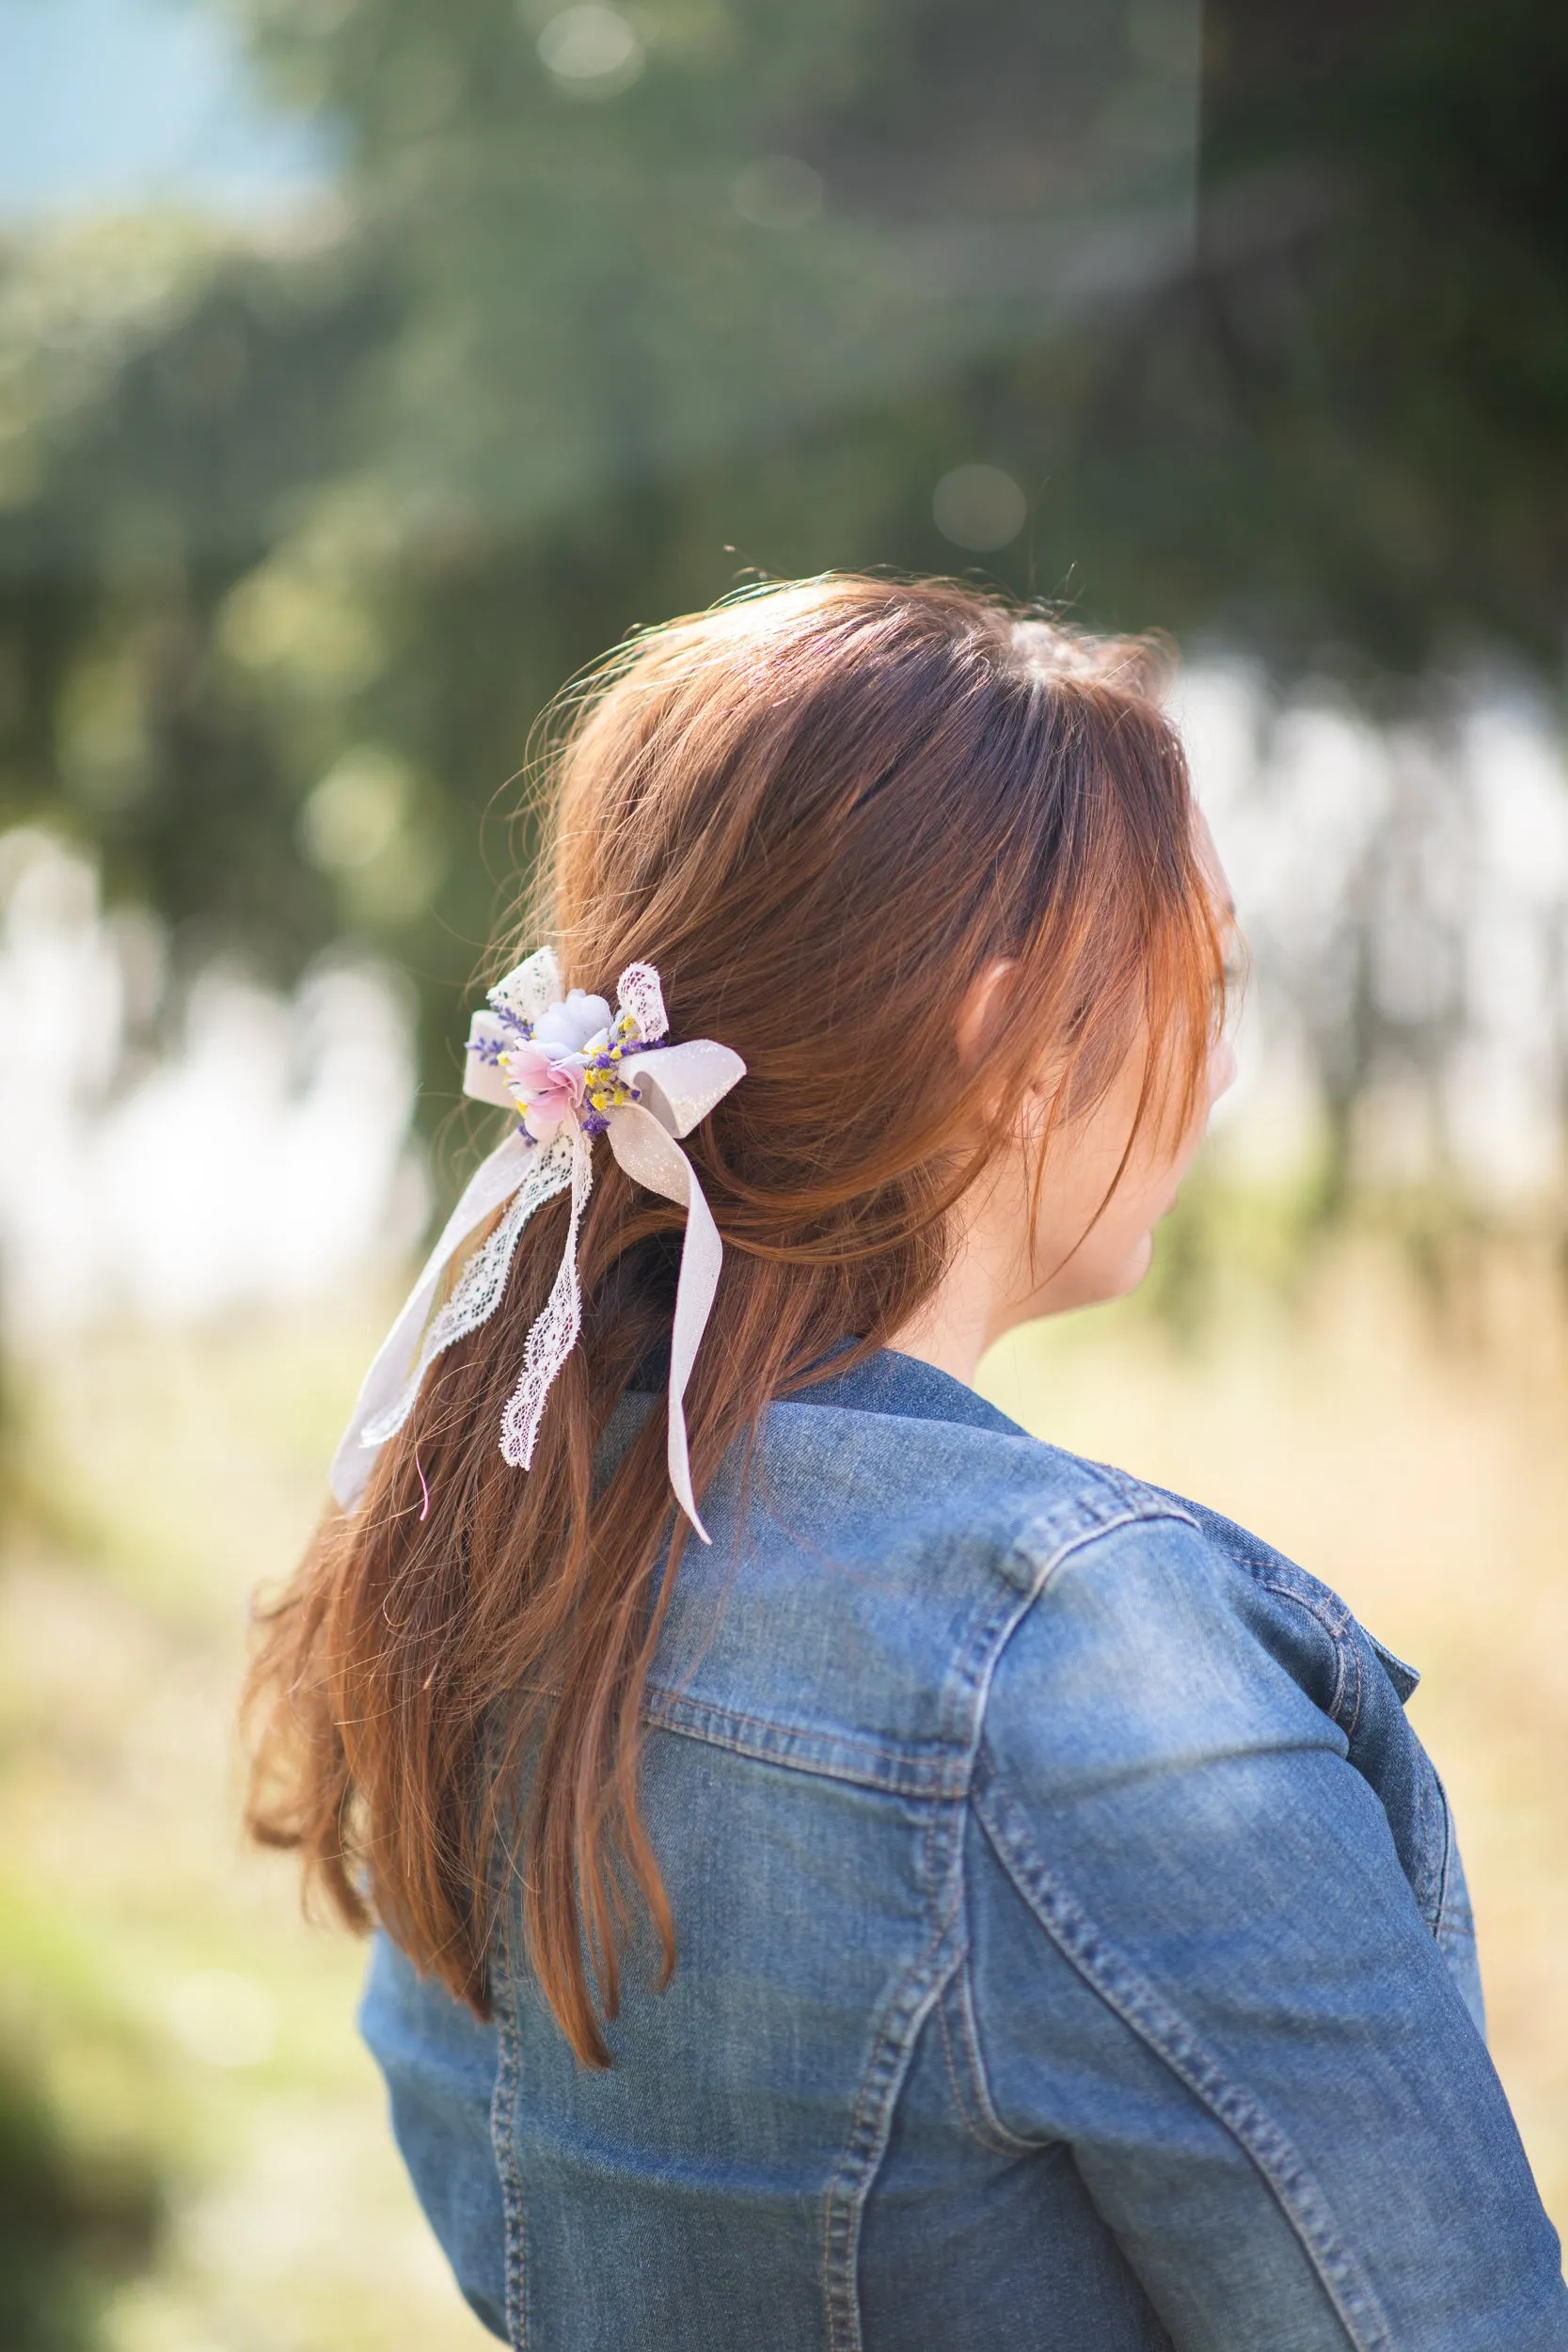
[{"x": 846, "y": 1873}]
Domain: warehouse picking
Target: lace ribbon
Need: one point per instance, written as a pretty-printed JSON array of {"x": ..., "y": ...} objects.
[{"x": 671, "y": 1088}]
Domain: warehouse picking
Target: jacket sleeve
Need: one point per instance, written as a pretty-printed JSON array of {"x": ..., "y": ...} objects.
[
  {"x": 439, "y": 2064},
  {"x": 1197, "y": 1959}
]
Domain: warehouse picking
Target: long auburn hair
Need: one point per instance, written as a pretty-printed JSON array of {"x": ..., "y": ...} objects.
[{"x": 822, "y": 810}]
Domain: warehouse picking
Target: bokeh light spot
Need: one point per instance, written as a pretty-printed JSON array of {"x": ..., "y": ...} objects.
[
  {"x": 590, "y": 51},
  {"x": 979, "y": 507},
  {"x": 356, "y": 810},
  {"x": 777, "y": 192}
]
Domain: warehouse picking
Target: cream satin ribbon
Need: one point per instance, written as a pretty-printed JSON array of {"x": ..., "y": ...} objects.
[{"x": 675, "y": 1086}]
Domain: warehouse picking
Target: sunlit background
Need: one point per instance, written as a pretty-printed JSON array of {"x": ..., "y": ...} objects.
[{"x": 365, "y": 367}]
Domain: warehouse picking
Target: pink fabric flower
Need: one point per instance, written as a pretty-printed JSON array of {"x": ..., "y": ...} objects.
[{"x": 546, "y": 1091}]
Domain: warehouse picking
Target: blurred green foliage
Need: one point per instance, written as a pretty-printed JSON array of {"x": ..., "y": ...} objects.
[
  {"x": 1263, "y": 310},
  {"x": 73, "y": 2222}
]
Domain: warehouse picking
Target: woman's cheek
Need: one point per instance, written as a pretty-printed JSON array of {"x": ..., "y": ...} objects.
[{"x": 1222, "y": 1071}]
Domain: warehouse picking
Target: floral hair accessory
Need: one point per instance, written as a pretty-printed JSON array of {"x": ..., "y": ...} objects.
[{"x": 571, "y": 1070}]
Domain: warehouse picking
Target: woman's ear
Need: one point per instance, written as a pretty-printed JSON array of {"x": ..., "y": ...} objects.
[{"x": 981, "y": 1008}]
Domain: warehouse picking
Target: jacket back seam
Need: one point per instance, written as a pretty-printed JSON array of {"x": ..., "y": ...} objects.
[
  {"x": 909, "y": 2004},
  {"x": 1000, "y": 1631},
  {"x": 895, "y": 2033},
  {"x": 502, "y": 2099},
  {"x": 1145, "y": 2012},
  {"x": 980, "y": 2119}
]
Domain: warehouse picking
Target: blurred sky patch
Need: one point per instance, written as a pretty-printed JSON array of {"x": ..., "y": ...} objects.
[{"x": 111, "y": 103}]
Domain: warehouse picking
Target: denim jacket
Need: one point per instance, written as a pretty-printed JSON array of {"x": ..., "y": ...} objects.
[{"x": 1074, "y": 1954}]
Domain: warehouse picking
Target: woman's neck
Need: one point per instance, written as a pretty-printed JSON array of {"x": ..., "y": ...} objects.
[
  {"x": 975, "y": 1301},
  {"x": 951, "y": 1334}
]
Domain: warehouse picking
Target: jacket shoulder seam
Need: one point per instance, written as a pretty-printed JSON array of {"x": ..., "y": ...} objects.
[
  {"x": 1347, "y": 1664},
  {"x": 939, "y": 1767},
  {"x": 1046, "y": 1541}
]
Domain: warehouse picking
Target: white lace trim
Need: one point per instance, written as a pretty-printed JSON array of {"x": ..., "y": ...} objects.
[
  {"x": 531, "y": 989},
  {"x": 639, "y": 992},
  {"x": 555, "y": 1330},
  {"x": 482, "y": 1285}
]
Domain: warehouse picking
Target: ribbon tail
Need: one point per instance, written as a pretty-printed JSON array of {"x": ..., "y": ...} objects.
[
  {"x": 653, "y": 1158},
  {"x": 386, "y": 1395},
  {"x": 701, "y": 1256},
  {"x": 554, "y": 1333}
]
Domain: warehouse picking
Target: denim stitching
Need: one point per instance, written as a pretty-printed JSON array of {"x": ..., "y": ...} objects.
[
  {"x": 973, "y": 2113},
  {"x": 1444, "y": 1925},
  {"x": 963, "y": 1682},
  {"x": 986, "y": 1651},
  {"x": 893, "y": 2047},
  {"x": 1115, "y": 1502},
  {"x": 1346, "y": 1661},
  {"x": 989, "y": 2130},
  {"x": 943, "y": 1774},
  {"x": 893, "y": 2041},
  {"x": 1145, "y": 2012},
  {"x": 502, "y": 2142},
  {"x": 1430, "y": 1893},
  {"x": 960, "y": 2099},
  {"x": 964, "y": 1703},
  {"x": 943, "y": 1777},
  {"x": 1330, "y": 1612},
  {"x": 971, "y": 1682},
  {"x": 1349, "y": 1649}
]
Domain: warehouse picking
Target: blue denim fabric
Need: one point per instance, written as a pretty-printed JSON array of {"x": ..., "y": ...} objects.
[{"x": 1075, "y": 1951}]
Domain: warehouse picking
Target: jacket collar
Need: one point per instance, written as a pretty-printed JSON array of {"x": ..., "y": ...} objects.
[
  {"x": 909, "y": 1390},
  {"x": 888, "y": 1382}
]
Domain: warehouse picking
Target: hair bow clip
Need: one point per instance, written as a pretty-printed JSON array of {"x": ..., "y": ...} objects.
[{"x": 571, "y": 1070}]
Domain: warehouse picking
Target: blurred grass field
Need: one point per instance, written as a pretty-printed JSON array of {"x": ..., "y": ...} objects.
[{"x": 200, "y": 2136}]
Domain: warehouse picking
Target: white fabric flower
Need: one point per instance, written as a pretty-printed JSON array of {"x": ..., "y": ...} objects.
[{"x": 572, "y": 1026}]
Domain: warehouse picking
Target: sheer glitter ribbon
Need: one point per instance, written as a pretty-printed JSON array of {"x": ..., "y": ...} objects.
[{"x": 615, "y": 1079}]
